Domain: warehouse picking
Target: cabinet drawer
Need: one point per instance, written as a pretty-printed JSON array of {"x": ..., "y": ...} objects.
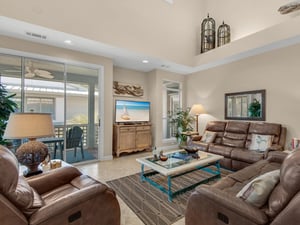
[
  {"x": 143, "y": 128},
  {"x": 127, "y": 129}
]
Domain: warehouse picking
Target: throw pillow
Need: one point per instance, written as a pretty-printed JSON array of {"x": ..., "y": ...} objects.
[
  {"x": 260, "y": 142},
  {"x": 258, "y": 190},
  {"x": 208, "y": 137}
]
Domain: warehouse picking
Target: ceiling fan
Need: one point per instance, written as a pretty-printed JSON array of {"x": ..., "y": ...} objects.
[
  {"x": 290, "y": 7},
  {"x": 31, "y": 72}
]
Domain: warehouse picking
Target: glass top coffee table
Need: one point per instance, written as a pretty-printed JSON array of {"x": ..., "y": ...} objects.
[{"x": 178, "y": 164}]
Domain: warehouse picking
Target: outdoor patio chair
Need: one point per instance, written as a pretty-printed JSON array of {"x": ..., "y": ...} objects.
[{"x": 74, "y": 138}]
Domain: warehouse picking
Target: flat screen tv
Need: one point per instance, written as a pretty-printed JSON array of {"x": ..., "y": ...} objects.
[{"x": 129, "y": 111}]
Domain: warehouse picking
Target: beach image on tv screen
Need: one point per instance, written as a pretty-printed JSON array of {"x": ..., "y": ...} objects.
[{"x": 132, "y": 111}]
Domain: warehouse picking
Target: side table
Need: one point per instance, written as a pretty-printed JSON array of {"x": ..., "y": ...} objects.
[{"x": 47, "y": 167}]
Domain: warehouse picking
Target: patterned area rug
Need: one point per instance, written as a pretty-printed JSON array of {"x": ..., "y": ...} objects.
[{"x": 150, "y": 204}]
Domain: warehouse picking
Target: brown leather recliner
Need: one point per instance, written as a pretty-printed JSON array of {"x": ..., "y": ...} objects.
[
  {"x": 218, "y": 205},
  {"x": 58, "y": 197}
]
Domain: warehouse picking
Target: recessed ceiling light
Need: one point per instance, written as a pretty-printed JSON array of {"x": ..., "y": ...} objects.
[
  {"x": 69, "y": 42},
  {"x": 170, "y": 1},
  {"x": 145, "y": 61}
]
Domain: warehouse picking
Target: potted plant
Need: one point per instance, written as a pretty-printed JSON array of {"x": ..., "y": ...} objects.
[
  {"x": 182, "y": 121},
  {"x": 7, "y": 106}
]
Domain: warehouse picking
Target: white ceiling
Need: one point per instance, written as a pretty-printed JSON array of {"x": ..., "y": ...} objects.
[
  {"x": 124, "y": 57},
  {"x": 121, "y": 57}
]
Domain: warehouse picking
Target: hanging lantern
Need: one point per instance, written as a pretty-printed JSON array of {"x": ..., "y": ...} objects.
[
  {"x": 208, "y": 34},
  {"x": 223, "y": 34}
]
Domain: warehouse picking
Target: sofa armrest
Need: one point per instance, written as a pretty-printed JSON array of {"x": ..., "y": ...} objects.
[
  {"x": 275, "y": 148},
  {"x": 53, "y": 178},
  {"x": 275, "y": 156},
  {"x": 196, "y": 137},
  {"x": 212, "y": 204},
  {"x": 67, "y": 202}
]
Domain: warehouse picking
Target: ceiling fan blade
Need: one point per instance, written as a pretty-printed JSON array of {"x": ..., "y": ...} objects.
[
  {"x": 29, "y": 75},
  {"x": 44, "y": 74}
]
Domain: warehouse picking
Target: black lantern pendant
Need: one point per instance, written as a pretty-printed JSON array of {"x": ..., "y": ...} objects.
[
  {"x": 223, "y": 34},
  {"x": 208, "y": 34}
]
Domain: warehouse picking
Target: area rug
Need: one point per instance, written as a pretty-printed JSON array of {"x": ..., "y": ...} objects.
[{"x": 150, "y": 204}]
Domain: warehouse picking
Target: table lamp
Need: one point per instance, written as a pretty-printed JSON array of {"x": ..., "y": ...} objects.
[
  {"x": 31, "y": 126},
  {"x": 196, "y": 110}
]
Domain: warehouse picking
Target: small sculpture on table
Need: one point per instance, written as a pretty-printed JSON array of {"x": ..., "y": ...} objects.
[{"x": 162, "y": 157}]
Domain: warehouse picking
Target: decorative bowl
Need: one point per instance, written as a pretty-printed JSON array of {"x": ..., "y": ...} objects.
[
  {"x": 191, "y": 149},
  {"x": 163, "y": 157}
]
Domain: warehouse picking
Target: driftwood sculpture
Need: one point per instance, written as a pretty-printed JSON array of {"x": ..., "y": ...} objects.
[{"x": 127, "y": 89}]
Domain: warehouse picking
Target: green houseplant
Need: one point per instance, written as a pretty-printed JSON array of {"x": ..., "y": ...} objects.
[
  {"x": 7, "y": 106},
  {"x": 182, "y": 121}
]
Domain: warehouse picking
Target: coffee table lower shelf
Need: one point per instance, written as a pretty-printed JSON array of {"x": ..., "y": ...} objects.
[{"x": 146, "y": 176}]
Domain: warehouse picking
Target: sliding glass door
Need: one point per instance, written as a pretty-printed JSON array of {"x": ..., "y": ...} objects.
[
  {"x": 81, "y": 114},
  {"x": 68, "y": 92}
]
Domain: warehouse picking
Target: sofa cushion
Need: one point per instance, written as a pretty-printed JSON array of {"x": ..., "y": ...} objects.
[
  {"x": 261, "y": 142},
  {"x": 237, "y": 127},
  {"x": 220, "y": 150},
  {"x": 218, "y": 127},
  {"x": 25, "y": 197},
  {"x": 238, "y": 143},
  {"x": 208, "y": 137},
  {"x": 235, "y": 134},
  {"x": 257, "y": 191},
  {"x": 58, "y": 193},
  {"x": 245, "y": 155},
  {"x": 254, "y": 170}
]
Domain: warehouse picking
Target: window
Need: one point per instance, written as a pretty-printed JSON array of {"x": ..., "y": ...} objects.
[
  {"x": 171, "y": 102},
  {"x": 42, "y": 105}
]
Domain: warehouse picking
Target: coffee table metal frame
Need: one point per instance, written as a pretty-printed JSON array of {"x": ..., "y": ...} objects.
[{"x": 206, "y": 160}]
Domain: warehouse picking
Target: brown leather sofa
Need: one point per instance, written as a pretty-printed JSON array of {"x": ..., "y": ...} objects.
[
  {"x": 59, "y": 197},
  {"x": 218, "y": 205},
  {"x": 233, "y": 140}
]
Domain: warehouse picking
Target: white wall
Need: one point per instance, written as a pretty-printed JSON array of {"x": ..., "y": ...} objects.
[
  {"x": 151, "y": 27},
  {"x": 276, "y": 71},
  {"x": 155, "y": 80}
]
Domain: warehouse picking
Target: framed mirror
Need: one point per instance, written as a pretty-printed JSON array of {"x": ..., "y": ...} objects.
[{"x": 247, "y": 105}]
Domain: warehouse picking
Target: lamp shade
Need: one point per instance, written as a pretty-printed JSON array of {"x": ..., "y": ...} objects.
[
  {"x": 197, "y": 109},
  {"x": 29, "y": 125}
]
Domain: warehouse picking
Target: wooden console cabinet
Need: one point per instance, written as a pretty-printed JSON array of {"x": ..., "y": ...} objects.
[{"x": 131, "y": 138}]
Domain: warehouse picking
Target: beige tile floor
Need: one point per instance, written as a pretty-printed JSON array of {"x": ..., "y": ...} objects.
[{"x": 116, "y": 168}]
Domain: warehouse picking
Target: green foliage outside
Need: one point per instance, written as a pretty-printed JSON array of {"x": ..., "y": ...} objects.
[
  {"x": 7, "y": 106},
  {"x": 182, "y": 121}
]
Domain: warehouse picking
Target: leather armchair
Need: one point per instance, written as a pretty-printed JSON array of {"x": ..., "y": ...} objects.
[{"x": 58, "y": 197}]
